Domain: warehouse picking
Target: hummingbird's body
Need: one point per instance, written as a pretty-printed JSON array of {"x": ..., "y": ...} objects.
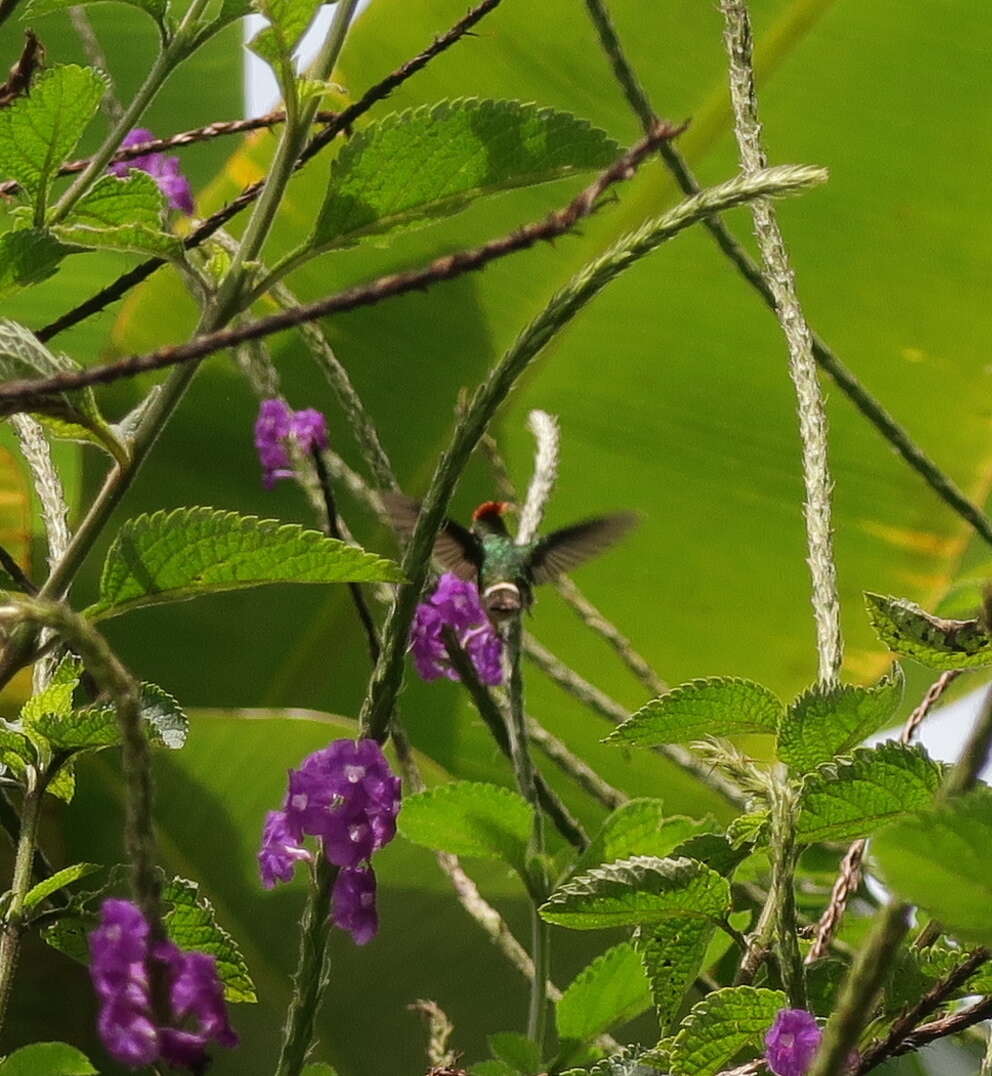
[{"x": 505, "y": 572}]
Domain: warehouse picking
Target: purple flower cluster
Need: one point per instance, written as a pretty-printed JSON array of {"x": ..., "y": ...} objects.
[
  {"x": 278, "y": 424},
  {"x": 455, "y": 604},
  {"x": 346, "y": 795},
  {"x": 792, "y": 1042},
  {"x": 120, "y": 951},
  {"x": 162, "y": 167}
]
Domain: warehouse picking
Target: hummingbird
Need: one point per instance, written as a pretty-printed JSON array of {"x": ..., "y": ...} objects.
[{"x": 504, "y": 572}]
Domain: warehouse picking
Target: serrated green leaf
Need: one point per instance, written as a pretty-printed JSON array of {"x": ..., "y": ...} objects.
[
  {"x": 939, "y": 860},
  {"x": 720, "y": 1025},
  {"x": 158, "y": 9},
  {"x": 130, "y": 238},
  {"x": 164, "y": 714},
  {"x": 610, "y": 991},
  {"x": 28, "y": 256},
  {"x": 717, "y": 706},
  {"x": 468, "y": 818},
  {"x": 15, "y": 748},
  {"x": 937, "y": 961},
  {"x": 855, "y": 797},
  {"x": 640, "y": 891},
  {"x": 629, "y": 1061},
  {"x": 192, "y": 924},
  {"x": 58, "y": 881},
  {"x": 748, "y": 830},
  {"x": 63, "y": 785},
  {"x": 54, "y": 700},
  {"x": 639, "y": 828},
  {"x": 41, "y": 129},
  {"x": 714, "y": 850},
  {"x": 672, "y": 954},
  {"x": 932, "y": 641},
  {"x": 416, "y": 166},
  {"x": 175, "y": 556},
  {"x": 288, "y": 19},
  {"x": 47, "y": 1059},
  {"x": 825, "y": 722},
  {"x": 520, "y": 1054},
  {"x": 68, "y": 935}
]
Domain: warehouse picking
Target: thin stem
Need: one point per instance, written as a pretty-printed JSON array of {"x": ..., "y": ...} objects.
[
  {"x": 573, "y": 766},
  {"x": 96, "y": 57},
  {"x": 546, "y": 432},
  {"x": 781, "y": 896}
]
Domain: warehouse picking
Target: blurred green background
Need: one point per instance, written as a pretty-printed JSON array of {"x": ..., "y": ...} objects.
[{"x": 674, "y": 399}]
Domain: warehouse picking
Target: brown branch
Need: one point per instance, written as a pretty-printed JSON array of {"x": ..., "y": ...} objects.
[
  {"x": 946, "y": 1025},
  {"x": 19, "y": 395},
  {"x": 116, "y": 290},
  {"x": 31, "y": 58}
]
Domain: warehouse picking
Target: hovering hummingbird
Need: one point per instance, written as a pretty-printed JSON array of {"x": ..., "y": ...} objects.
[{"x": 505, "y": 572}]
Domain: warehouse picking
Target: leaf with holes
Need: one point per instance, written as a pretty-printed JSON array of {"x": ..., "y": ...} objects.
[
  {"x": 672, "y": 954},
  {"x": 640, "y": 891},
  {"x": 717, "y": 706},
  {"x": 940, "y": 644},
  {"x": 467, "y": 818},
  {"x": 855, "y": 797},
  {"x": 720, "y": 1025},
  {"x": 28, "y": 256},
  {"x": 175, "y": 556},
  {"x": 939, "y": 860},
  {"x": 609, "y": 992},
  {"x": 414, "y": 167},
  {"x": 825, "y": 722}
]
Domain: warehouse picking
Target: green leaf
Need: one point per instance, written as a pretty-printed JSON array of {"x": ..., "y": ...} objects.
[
  {"x": 940, "y": 644},
  {"x": 158, "y": 9},
  {"x": 28, "y": 256},
  {"x": 520, "y": 1053},
  {"x": 640, "y": 891},
  {"x": 192, "y": 925},
  {"x": 58, "y": 881},
  {"x": 639, "y": 828},
  {"x": 63, "y": 785},
  {"x": 47, "y": 1059},
  {"x": 40, "y": 130},
  {"x": 175, "y": 556},
  {"x": 749, "y": 830},
  {"x": 610, "y": 991},
  {"x": 493, "y": 1068},
  {"x": 720, "y": 1025},
  {"x": 823, "y": 981},
  {"x": 319, "y": 1068},
  {"x": 470, "y": 819},
  {"x": 416, "y": 166},
  {"x": 55, "y": 700},
  {"x": 672, "y": 955},
  {"x": 717, "y": 706},
  {"x": 68, "y": 935},
  {"x": 288, "y": 19},
  {"x": 714, "y": 850},
  {"x": 825, "y": 722},
  {"x": 939, "y": 860},
  {"x": 16, "y": 750},
  {"x": 937, "y": 961},
  {"x": 854, "y": 797}
]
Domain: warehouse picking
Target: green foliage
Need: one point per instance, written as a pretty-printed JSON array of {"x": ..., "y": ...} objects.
[
  {"x": 855, "y": 797},
  {"x": 825, "y": 722},
  {"x": 940, "y": 644},
  {"x": 319, "y": 1068},
  {"x": 158, "y": 9},
  {"x": 672, "y": 954},
  {"x": 68, "y": 936},
  {"x": 175, "y": 556},
  {"x": 47, "y": 1059},
  {"x": 97, "y": 726},
  {"x": 192, "y": 924},
  {"x": 938, "y": 859},
  {"x": 640, "y": 891},
  {"x": 470, "y": 819},
  {"x": 721, "y": 1024},
  {"x": 520, "y": 1054},
  {"x": 416, "y": 166},
  {"x": 59, "y": 880},
  {"x": 287, "y": 21},
  {"x": 41, "y": 129},
  {"x": 610, "y": 991},
  {"x": 716, "y": 706},
  {"x": 939, "y": 960},
  {"x": 27, "y": 256}
]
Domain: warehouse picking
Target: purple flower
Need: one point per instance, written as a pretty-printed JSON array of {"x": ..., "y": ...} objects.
[
  {"x": 163, "y": 168},
  {"x": 455, "y": 604},
  {"x": 276, "y": 426},
  {"x": 792, "y": 1042},
  {"x": 280, "y": 850},
  {"x": 119, "y": 956},
  {"x": 353, "y": 903}
]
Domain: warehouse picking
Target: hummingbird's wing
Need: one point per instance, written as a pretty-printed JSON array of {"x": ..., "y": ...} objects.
[
  {"x": 562, "y": 550},
  {"x": 456, "y": 548}
]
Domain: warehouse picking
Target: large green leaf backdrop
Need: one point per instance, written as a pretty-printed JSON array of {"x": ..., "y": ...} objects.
[{"x": 674, "y": 399}]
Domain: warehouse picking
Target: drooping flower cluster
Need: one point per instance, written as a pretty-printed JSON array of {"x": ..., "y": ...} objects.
[
  {"x": 792, "y": 1042},
  {"x": 120, "y": 951},
  {"x": 162, "y": 167},
  {"x": 346, "y": 795},
  {"x": 455, "y": 604},
  {"x": 278, "y": 424}
]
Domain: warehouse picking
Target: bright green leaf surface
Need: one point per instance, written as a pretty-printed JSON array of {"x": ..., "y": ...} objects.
[
  {"x": 27, "y": 257},
  {"x": 718, "y": 706},
  {"x": 672, "y": 954},
  {"x": 156, "y": 8},
  {"x": 57, "y": 881},
  {"x": 174, "y": 556},
  {"x": 288, "y": 19},
  {"x": 469, "y": 819},
  {"x": 823, "y": 723},
  {"x": 853, "y": 798},
  {"x": 416, "y": 166},
  {"x": 639, "y": 891},
  {"x": 611, "y": 991},
  {"x": 939, "y": 644},
  {"x": 47, "y": 1059},
  {"x": 98, "y": 727},
  {"x": 721, "y": 1024},
  {"x": 521, "y": 1054},
  {"x": 939, "y": 860}
]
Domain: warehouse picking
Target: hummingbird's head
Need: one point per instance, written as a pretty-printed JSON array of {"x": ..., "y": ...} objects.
[{"x": 488, "y": 517}]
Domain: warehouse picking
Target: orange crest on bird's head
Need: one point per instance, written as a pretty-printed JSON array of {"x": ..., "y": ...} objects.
[{"x": 488, "y": 509}]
